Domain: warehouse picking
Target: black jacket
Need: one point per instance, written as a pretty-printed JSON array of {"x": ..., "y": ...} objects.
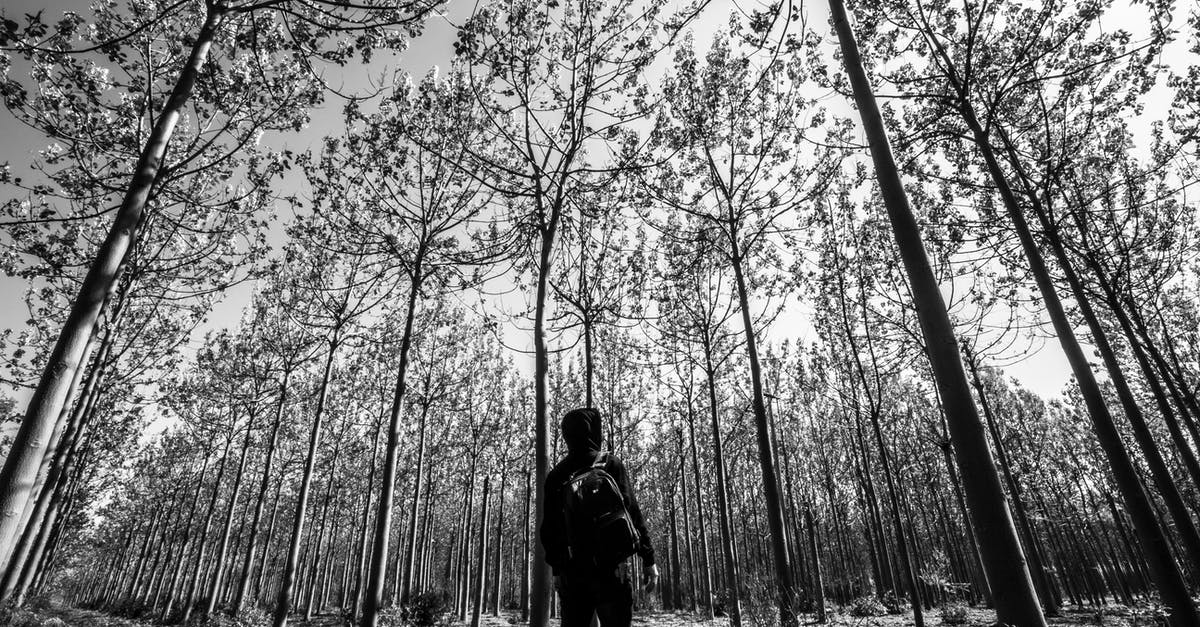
[
  {"x": 553, "y": 531},
  {"x": 581, "y": 431}
]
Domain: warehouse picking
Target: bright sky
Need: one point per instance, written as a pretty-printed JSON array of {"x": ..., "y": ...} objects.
[{"x": 1045, "y": 372}]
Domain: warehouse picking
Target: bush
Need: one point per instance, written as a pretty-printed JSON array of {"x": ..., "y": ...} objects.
[
  {"x": 892, "y": 603},
  {"x": 249, "y": 617},
  {"x": 953, "y": 614},
  {"x": 866, "y": 606},
  {"x": 428, "y": 609},
  {"x": 760, "y": 607}
]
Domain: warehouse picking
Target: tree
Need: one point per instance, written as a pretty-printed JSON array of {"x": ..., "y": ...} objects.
[{"x": 1012, "y": 588}]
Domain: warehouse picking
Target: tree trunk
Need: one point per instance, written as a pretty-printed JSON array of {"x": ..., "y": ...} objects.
[
  {"x": 706, "y": 568},
  {"x": 287, "y": 582},
  {"x": 1167, "y": 576},
  {"x": 818, "y": 579},
  {"x": 733, "y": 597},
  {"x": 214, "y": 589},
  {"x": 539, "y": 601},
  {"x": 481, "y": 557},
  {"x": 1012, "y": 587},
  {"x": 410, "y": 553},
  {"x": 202, "y": 546},
  {"x": 356, "y": 603},
  {"x": 498, "y": 557},
  {"x": 906, "y": 558},
  {"x": 373, "y": 602},
  {"x": 774, "y": 502},
  {"x": 1041, "y": 577},
  {"x": 525, "y": 526},
  {"x": 268, "y": 463},
  {"x": 32, "y": 438}
]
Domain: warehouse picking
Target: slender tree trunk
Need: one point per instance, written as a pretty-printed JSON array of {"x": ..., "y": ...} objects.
[
  {"x": 1167, "y": 576},
  {"x": 183, "y": 549},
  {"x": 1012, "y": 587},
  {"x": 410, "y": 552},
  {"x": 498, "y": 557},
  {"x": 774, "y": 502},
  {"x": 525, "y": 526},
  {"x": 733, "y": 597},
  {"x": 671, "y": 593},
  {"x": 287, "y": 582},
  {"x": 706, "y": 568},
  {"x": 689, "y": 553},
  {"x": 32, "y": 438},
  {"x": 263, "y": 487},
  {"x": 481, "y": 557},
  {"x": 818, "y": 579},
  {"x": 214, "y": 589},
  {"x": 1041, "y": 577},
  {"x": 373, "y": 602},
  {"x": 366, "y": 518},
  {"x": 588, "y": 360},
  {"x": 902, "y": 547},
  {"x": 539, "y": 600}
]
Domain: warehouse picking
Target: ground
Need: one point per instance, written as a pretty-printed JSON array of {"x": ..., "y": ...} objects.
[{"x": 1112, "y": 616}]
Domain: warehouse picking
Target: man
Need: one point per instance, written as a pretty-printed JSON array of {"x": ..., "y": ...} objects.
[{"x": 585, "y": 586}]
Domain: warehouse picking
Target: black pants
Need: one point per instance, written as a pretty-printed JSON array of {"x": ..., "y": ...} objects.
[{"x": 604, "y": 593}]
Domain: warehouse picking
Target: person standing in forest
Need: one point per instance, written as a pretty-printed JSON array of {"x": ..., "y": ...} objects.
[{"x": 592, "y": 524}]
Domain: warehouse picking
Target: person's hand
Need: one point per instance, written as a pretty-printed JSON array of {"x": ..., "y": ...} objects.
[{"x": 650, "y": 578}]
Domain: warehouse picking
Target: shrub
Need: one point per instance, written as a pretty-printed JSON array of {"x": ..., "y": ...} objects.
[
  {"x": 953, "y": 614},
  {"x": 867, "y": 606},
  {"x": 892, "y": 603},
  {"x": 249, "y": 617},
  {"x": 428, "y": 609},
  {"x": 760, "y": 608}
]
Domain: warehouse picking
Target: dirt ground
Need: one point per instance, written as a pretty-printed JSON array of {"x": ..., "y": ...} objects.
[{"x": 1112, "y": 616}]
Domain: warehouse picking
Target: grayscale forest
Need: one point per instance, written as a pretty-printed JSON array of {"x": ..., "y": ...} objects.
[{"x": 890, "y": 308}]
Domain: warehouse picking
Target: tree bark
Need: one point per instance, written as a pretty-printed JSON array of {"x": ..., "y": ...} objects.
[
  {"x": 705, "y": 568},
  {"x": 383, "y": 519},
  {"x": 32, "y": 438},
  {"x": 283, "y": 603},
  {"x": 733, "y": 600},
  {"x": 1039, "y": 572},
  {"x": 481, "y": 557},
  {"x": 1167, "y": 576},
  {"x": 252, "y": 544},
  {"x": 774, "y": 502},
  {"x": 410, "y": 553},
  {"x": 214, "y": 589},
  {"x": 1012, "y": 587},
  {"x": 202, "y": 546}
]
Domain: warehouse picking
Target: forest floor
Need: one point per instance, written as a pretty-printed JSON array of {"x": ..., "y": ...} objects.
[{"x": 1111, "y": 616}]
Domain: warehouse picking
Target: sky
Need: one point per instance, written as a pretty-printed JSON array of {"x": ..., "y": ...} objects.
[{"x": 1045, "y": 372}]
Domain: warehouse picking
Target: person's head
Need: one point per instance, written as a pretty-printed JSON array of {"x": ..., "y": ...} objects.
[{"x": 581, "y": 430}]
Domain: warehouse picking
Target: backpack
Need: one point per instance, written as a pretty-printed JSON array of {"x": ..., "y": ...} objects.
[{"x": 599, "y": 530}]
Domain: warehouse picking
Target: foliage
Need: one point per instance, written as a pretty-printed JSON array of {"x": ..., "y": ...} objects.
[
  {"x": 428, "y": 609},
  {"x": 867, "y": 606},
  {"x": 953, "y": 614}
]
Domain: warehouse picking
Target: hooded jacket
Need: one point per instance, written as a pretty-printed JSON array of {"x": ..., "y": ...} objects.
[{"x": 582, "y": 434}]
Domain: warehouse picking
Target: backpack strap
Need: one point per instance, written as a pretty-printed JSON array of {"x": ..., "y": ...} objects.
[{"x": 601, "y": 459}]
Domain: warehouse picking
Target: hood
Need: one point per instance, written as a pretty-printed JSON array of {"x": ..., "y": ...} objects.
[{"x": 581, "y": 430}]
